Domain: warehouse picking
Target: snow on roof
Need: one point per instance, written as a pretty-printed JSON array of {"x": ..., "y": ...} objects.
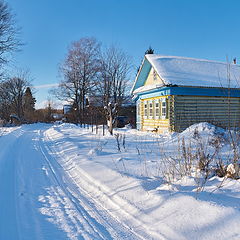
[
  {"x": 195, "y": 72},
  {"x": 147, "y": 88}
]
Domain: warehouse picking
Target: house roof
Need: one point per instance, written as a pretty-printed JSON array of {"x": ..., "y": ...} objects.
[{"x": 183, "y": 71}]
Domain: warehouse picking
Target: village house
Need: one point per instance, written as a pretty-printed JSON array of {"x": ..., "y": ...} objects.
[{"x": 172, "y": 93}]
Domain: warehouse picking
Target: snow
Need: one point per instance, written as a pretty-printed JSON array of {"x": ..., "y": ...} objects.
[
  {"x": 231, "y": 169},
  {"x": 147, "y": 88},
  {"x": 65, "y": 182},
  {"x": 183, "y": 71}
]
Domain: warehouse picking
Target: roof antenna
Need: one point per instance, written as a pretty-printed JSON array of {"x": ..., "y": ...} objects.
[
  {"x": 149, "y": 51},
  {"x": 234, "y": 61}
]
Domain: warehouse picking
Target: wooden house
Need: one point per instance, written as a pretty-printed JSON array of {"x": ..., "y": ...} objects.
[{"x": 172, "y": 93}]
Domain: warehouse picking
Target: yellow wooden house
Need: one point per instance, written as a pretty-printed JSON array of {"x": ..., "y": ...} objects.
[{"x": 173, "y": 93}]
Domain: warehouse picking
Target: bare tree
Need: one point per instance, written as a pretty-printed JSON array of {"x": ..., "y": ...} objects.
[
  {"x": 112, "y": 84},
  {"x": 16, "y": 88},
  {"x": 5, "y": 101},
  {"x": 9, "y": 42},
  {"x": 115, "y": 68},
  {"x": 79, "y": 70},
  {"x": 12, "y": 91},
  {"x": 9, "y": 33}
]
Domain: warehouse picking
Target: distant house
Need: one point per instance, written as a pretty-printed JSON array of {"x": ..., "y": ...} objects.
[
  {"x": 173, "y": 93},
  {"x": 67, "y": 109}
]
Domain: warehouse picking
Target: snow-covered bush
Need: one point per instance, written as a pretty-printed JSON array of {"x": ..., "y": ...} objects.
[
  {"x": 232, "y": 171},
  {"x": 203, "y": 151}
]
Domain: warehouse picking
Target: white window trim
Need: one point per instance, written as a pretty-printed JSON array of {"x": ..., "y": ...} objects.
[
  {"x": 138, "y": 108},
  {"x": 153, "y": 109},
  {"x": 165, "y": 101},
  {"x": 150, "y": 102},
  {"x": 159, "y": 112}
]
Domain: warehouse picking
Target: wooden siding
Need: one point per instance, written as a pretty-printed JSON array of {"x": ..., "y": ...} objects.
[
  {"x": 160, "y": 126},
  {"x": 220, "y": 111},
  {"x": 151, "y": 79}
]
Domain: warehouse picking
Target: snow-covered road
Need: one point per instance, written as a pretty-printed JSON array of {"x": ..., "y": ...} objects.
[
  {"x": 33, "y": 185},
  {"x": 22, "y": 181}
]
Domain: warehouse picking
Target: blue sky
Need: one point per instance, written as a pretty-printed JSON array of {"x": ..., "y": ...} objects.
[{"x": 206, "y": 29}]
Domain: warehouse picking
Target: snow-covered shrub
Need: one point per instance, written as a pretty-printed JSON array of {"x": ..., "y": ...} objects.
[
  {"x": 232, "y": 171},
  {"x": 197, "y": 155}
]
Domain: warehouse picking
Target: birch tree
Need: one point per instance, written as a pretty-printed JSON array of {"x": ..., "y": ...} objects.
[
  {"x": 110, "y": 113},
  {"x": 112, "y": 84}
]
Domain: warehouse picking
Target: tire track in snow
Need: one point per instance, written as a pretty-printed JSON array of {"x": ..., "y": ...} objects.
[
  {"x": 84, "y": 219},
  {"x": 102, "y": 227},
  {"x": 92, "y": 188}
]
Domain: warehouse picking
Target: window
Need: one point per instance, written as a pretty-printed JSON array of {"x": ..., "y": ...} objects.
[
  {"x": 145, "y": 109},
  {"x": 164, "y": 108},
  {"x": 157, "y": 109},
  {"x": 150, "y": 109}
]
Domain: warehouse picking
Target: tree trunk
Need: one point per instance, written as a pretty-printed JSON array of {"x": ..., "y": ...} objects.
[{"x": 110, "y": 125}]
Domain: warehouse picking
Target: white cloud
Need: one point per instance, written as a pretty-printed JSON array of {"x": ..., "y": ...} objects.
[{"x": 46, "y": 86}]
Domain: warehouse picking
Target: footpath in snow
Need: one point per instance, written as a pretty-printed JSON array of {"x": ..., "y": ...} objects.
[{"x": 65, "y": 182}]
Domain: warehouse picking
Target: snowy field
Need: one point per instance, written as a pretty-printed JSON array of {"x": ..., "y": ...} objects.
[{"x": 65, "y": 182}]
